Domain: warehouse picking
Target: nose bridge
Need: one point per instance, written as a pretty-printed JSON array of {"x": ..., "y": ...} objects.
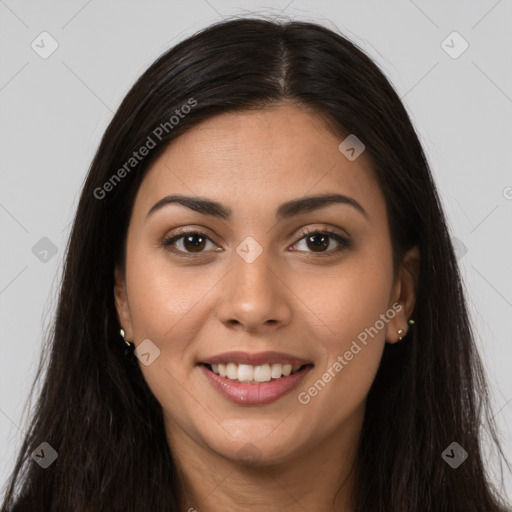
[{"x": 252, "y": 271}]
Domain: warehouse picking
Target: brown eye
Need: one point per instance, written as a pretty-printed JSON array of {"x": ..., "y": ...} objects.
[
  {"x": 187, "y": 243},
  {"x": 194, "y": 243},
  {"x": 318, "y": 242}
]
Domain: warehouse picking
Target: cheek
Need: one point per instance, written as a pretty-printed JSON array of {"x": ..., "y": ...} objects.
[
  {"x": 162, "y": 296},
  {"x": 355, "y": 310},
  {"x": 353, "y": 299},
  {"x": 351, "y": 356},
  {"x": 167, "y": 306}
]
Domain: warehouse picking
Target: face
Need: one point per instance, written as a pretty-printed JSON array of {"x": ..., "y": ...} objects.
[{"x": 258, "y": 286}]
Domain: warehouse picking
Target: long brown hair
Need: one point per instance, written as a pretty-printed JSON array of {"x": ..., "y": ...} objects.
[{"x": 95, "y": 408}]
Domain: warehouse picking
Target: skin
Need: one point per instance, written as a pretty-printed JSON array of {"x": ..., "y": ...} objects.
[{"x": 292, "y": 301}]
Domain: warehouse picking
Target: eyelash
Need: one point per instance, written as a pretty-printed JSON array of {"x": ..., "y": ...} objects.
[{"x": 344, "y": 243}]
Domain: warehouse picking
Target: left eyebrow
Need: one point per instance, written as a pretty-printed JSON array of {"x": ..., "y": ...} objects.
[
  {"x": 285, "y": 211},
  {"x": 311, "y": 203}
]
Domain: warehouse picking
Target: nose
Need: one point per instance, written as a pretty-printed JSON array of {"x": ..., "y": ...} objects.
[{"x": 254, "y": 297}]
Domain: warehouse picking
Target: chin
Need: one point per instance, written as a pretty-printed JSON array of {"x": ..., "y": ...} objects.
[{"x": 258, "y": 450}]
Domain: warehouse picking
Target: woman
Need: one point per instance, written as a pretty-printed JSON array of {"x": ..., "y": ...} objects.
[{"x": 261, "y": 308}]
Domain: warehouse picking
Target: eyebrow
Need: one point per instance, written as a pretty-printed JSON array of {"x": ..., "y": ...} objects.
[{"x": 285, "y": 211}]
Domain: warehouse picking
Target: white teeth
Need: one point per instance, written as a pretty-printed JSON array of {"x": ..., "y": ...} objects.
[
  {"x": 245, "y": 372},
  {"x": 232, "y": 371},
  {"x": 277, "y": 370},
  {"x": 254, "y": 374},
  {"x": 262, "y": 373}
]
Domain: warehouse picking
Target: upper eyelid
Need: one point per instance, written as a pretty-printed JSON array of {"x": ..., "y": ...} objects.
[{"x": 303, "y": 233}]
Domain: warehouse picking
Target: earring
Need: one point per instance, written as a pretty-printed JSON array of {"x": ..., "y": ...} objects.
[
  {"x": 129, "y": 349},
  {"x": 401, "y": 331},
  {"x": 122, "y": 334}
]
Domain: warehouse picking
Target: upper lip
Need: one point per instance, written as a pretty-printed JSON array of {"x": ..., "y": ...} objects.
[{"x": 257, "y": 359}]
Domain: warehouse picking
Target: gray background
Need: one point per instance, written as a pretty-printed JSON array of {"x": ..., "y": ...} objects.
[{"x": 55, "y": 110}]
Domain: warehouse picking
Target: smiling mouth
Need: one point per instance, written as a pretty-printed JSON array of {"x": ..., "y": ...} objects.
[{"x": 249, "y": 374}]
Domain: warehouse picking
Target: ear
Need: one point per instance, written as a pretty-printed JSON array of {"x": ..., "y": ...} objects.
[
  {"x": 404, "y": 292},
  {"x": 121, "y": 302}
]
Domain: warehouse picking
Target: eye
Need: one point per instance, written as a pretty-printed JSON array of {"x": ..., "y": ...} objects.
[
  {"x": 191, "y": 243},
  {"x": 320, "y": 240},
  {"x": 188, "y": 243}
]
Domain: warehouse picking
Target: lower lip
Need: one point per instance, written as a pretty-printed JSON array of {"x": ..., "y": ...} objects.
[{"x": 254, "y": 394}]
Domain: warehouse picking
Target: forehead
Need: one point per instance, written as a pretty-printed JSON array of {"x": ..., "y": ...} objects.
[{"x": 258, "y": 158}]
